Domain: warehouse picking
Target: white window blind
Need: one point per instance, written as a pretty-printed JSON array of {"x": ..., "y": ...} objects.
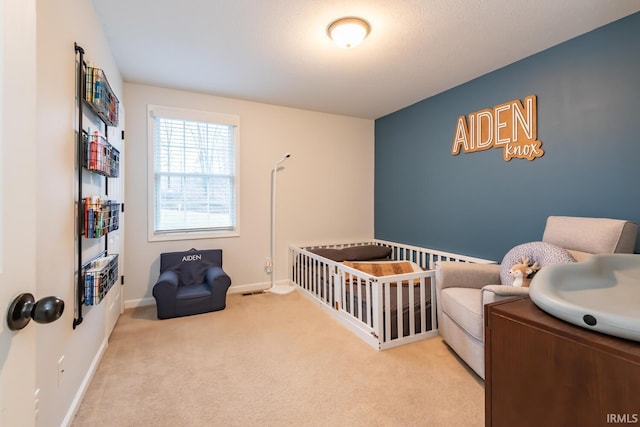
[{"x": 194, "y": 172}]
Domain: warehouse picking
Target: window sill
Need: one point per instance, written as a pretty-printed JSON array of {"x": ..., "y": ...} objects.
[{"x": 153, "y": 237}]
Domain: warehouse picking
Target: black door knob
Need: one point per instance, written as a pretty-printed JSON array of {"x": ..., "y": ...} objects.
[{"x": 24, "y": 308}]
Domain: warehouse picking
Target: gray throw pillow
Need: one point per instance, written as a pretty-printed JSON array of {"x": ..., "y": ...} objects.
[{"x": 540, "y": 252}]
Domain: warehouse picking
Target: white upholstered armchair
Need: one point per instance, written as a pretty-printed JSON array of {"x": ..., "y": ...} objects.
[{"x": 464, "y": 288}]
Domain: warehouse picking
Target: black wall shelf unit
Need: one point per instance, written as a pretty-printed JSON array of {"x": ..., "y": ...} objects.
[{"x": 95, "y": 216}]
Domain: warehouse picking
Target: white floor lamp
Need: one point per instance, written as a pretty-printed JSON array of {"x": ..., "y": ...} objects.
[{"x": 276, "y": 289}]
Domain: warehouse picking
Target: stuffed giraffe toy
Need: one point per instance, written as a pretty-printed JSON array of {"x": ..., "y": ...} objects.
[{"x": 522, "y": 272}]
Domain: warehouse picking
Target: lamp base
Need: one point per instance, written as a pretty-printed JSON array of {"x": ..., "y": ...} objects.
[{"x": 281, "y": 289}]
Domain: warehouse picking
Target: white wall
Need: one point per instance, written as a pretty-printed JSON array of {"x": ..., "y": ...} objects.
[
  {"x": 60, "y": 23},
  {"x": 325, "y": 191}
]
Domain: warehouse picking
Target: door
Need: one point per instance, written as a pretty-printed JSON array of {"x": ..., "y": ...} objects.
[
  {"x": 17, "y": 206},
  {"x": 114, "y": 299}
]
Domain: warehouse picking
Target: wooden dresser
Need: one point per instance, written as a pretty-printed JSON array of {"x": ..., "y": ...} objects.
[{"x": 542, "y": 371}]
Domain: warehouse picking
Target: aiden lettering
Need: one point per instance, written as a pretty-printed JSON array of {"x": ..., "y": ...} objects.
[{"x": 511, "y": 126}]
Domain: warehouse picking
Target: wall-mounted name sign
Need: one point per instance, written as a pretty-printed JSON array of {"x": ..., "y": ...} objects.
[{"x": 511, "y": 126}]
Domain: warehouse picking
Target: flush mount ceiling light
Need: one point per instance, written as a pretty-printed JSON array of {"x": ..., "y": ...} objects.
[{"x": 348, "y": 32}]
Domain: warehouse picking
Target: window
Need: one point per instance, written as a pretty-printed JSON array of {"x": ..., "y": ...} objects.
[{"x": 192, "y": 174}]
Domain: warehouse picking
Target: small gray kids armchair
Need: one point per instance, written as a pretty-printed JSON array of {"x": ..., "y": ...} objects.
[{"x": 191, "y": 282}]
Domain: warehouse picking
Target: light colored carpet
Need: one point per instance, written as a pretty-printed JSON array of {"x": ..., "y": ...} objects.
[{"x": 272, "y": 360}]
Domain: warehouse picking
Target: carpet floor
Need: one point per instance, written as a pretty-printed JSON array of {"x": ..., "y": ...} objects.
[{"x": 272, "y": 360}]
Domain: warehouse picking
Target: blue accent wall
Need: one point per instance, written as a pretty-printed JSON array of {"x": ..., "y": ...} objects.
[{"x": 477, "y": 204}]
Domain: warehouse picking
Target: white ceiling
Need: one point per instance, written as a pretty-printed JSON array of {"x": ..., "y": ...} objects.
[{"x": 278, "y": 52}]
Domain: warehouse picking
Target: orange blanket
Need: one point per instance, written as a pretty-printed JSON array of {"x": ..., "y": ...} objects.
[{"x": 381, "y": 268}]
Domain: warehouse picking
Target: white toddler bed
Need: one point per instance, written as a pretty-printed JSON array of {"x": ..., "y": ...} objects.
[{"x": 365, "y": 283}]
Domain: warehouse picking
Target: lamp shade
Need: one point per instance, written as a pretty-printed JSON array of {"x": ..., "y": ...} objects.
[{"x": 348, "y": 32}]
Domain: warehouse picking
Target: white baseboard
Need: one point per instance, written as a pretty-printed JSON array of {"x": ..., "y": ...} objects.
[
  {"x": 252, "y": 287},
  {"x": 255, "y": 287},
  {"x": 133, "y": 303},
  {"x": 77, "y": 399},
  {"x": 234, "y": 289}
]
